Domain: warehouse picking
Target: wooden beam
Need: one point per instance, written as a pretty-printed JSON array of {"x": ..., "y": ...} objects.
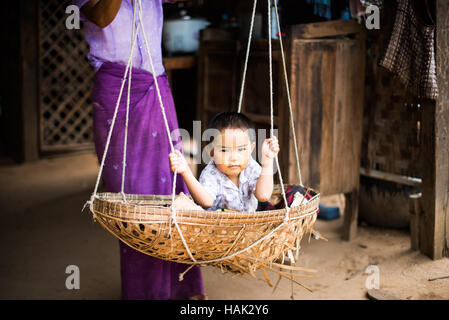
[
  {"x": 325, "y": 29},
  {"x": 185, "y": 62},
  {"x": 387, "y": 176},
  {"x": 434, "y": 221}
]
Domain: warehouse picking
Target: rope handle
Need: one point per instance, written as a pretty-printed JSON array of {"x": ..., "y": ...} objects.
[
  {"x": 173, "y": 210},
  {"x": 127, "y": 69},
  {"x": 245, "y": 67},
  {"x": 270, "y": 69},
  {"x": 287, "y": 87},
  {"x": 247, "y": 56},
  {"x": 134, "y": 29}
]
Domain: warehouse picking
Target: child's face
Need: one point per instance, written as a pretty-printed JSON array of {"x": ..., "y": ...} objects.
[{"x": 232, "y": 150}]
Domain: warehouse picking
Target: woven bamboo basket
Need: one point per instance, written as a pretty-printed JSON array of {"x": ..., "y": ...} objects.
[{"x": 236, "y": 242}]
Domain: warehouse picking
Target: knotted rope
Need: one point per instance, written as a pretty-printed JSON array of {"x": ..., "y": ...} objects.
[{"x": 245, "y": 67}]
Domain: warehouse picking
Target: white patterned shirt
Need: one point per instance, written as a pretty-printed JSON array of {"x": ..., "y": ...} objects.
[{"x": 227, "y": 195}]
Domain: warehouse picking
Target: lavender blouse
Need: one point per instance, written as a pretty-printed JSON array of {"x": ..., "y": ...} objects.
[{"x": 113, "y": 43}]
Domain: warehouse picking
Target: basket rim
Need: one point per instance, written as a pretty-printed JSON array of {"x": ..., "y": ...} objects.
[
  {"x": 107, "y": 202},
  {"x": 167, "y": 197}
]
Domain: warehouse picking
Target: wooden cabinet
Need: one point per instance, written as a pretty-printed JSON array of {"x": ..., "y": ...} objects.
[
  {"x": 327, "y": 84},
  {"x": 326, "y": 78},
  {"x": 217, "y": 77}
]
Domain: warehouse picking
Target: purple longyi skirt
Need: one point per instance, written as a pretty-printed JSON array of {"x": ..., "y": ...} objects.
[{"x": 147, "y": 172}]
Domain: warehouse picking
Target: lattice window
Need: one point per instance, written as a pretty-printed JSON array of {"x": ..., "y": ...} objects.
[{"x": 65, "y": 80}]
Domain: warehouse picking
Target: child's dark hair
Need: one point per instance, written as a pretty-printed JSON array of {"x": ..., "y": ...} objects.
[{"x": 230, "y": 120}]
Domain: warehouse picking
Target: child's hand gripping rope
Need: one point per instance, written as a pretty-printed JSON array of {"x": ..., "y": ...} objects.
[
  {"x": 270, "y": 148},
  {"x": 178, "y": 163}
]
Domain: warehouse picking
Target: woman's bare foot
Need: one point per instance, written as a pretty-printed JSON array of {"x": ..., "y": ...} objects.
[{"x": 198, "y": 297}]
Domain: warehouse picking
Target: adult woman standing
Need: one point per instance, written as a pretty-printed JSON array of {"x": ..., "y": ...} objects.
[{"x": 108, "y": 29}]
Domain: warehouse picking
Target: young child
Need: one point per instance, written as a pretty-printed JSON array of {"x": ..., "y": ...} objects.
[{"x": 232, "y": 179}]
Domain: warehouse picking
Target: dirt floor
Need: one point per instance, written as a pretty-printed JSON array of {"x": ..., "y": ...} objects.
[{"x": 44, "y": 231}]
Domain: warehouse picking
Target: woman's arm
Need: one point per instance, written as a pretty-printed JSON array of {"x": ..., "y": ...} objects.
[
  {"x": 101, "y": 12},
  {"x": 264, "y": 186},
  {"x": 198, "y": 192}
]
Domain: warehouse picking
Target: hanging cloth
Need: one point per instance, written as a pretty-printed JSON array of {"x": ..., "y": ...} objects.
[
  {"x": 357, "y": 10},
  {"x": 410, "y": 54},
  {"x": 321, "y": 8},
  {"x": 367, "y": 3}
]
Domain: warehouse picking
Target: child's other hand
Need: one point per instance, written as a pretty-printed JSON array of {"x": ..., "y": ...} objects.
[
  {"x": 270, "y": 148},
  {"x": 178, "y": 163}
]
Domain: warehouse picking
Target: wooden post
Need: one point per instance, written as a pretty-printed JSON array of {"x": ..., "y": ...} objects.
[
  {"x": 415, "y": 209},
  {"x": 10, "y": 119},
  {"x": 20, "y": 106},
  {"x": 351, "y": 215},
  {"x": 434, "y": 221},
  {"x": 28, "y": 15}
]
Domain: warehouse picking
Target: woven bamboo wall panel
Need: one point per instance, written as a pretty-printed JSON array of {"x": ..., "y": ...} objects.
[
  {"x": 392, "y": 115},
  {"x": 65, "y": 80},
  {"x": 392, "y": 139}
]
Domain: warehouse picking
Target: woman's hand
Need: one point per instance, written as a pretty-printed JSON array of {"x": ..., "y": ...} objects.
[
  {"x": 270, "y": 148},
  {"x": 178, "y": 163}
]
